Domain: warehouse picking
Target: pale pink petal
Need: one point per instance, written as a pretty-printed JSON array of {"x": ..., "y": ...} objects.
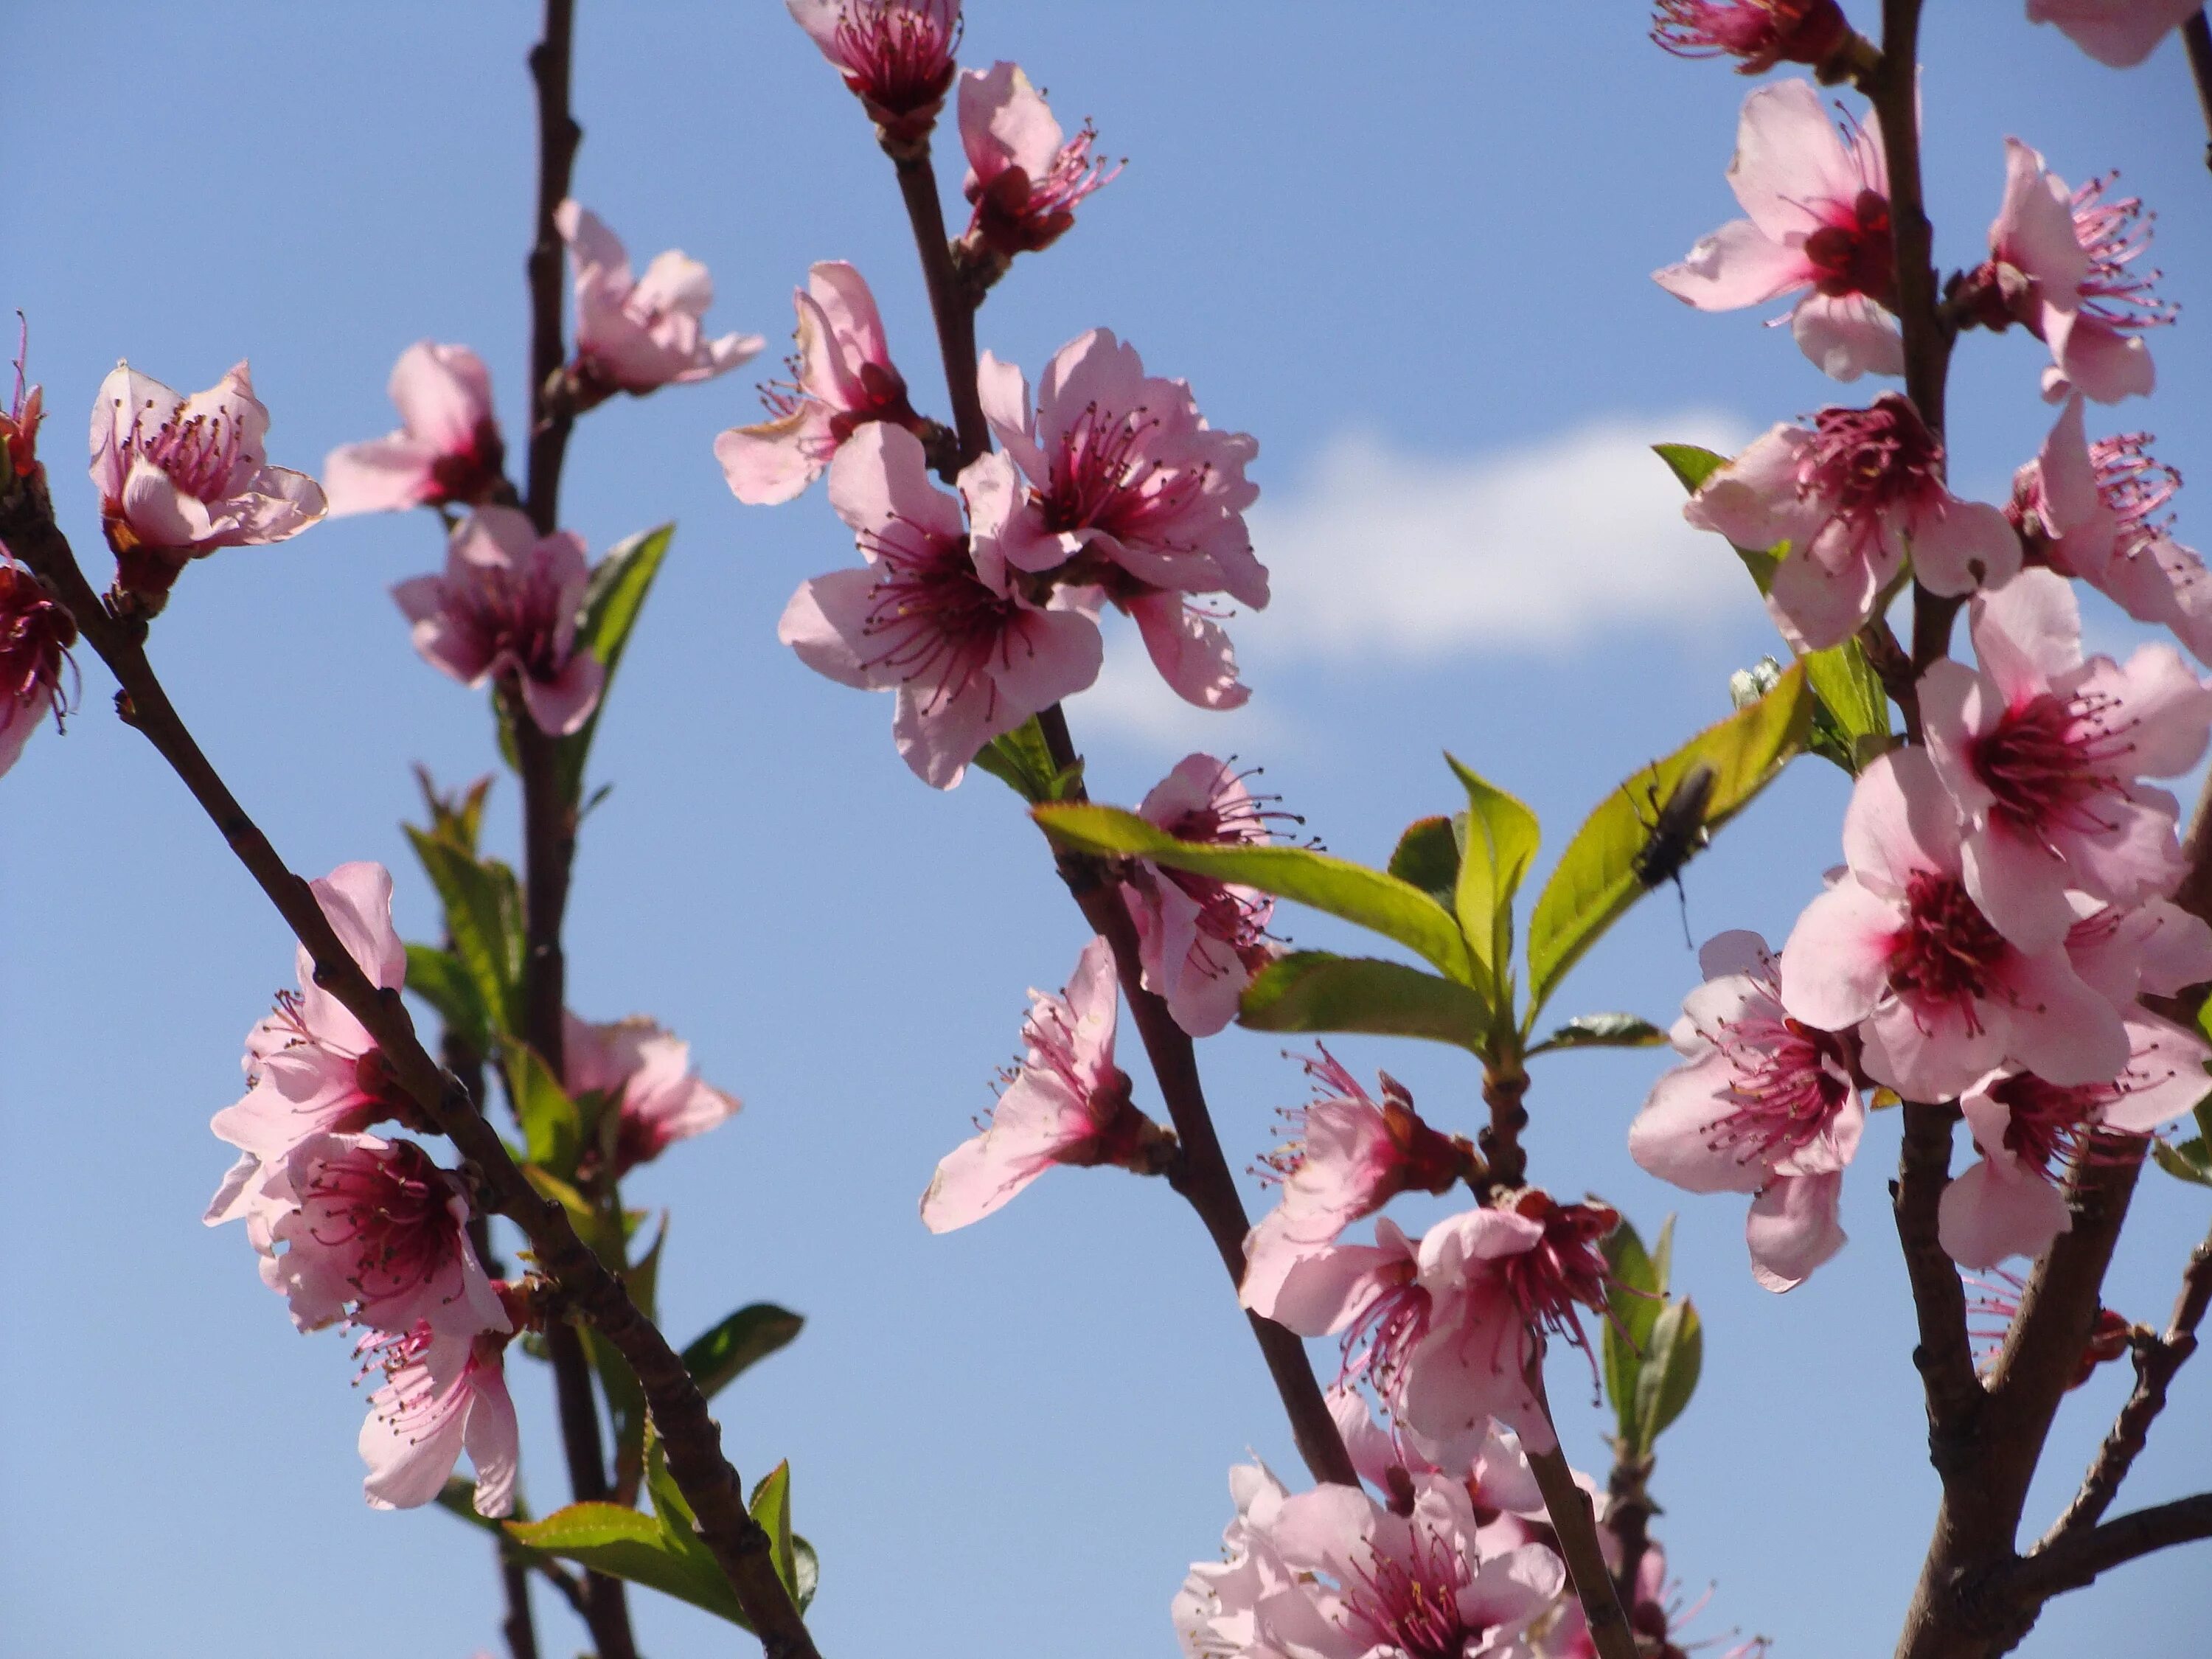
[
  {"x": 383, "y": 474},
  {"x": 2061, "y": 1029},
  {"x": 1986, "y": 1216},
  {"x": 2118, "y": 33},
  {"x": 1845, "y": 335},
  {"x": 2104, "y": 364},
  {"x": 1792, "y": 1228},
  {"x": 1673, "y": 1137},
  {"x": 826, "y": 622},
  {"x": 1967, "y": 545},
  {"x": 1738, "y": 265},
  {"x": 1191, "y": 650},
  {"x": 1836, "y": 964}
]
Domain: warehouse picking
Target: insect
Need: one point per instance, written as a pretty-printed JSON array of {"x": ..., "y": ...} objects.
[{"x": 1675, "y": 833}]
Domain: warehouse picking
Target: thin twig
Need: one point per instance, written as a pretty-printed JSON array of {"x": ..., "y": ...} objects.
[
  {"x": 2156, "y": 1359},
  {"x": 687, "y": 1430},
  {"x": 1574, "y": 1523},
  {"x": 1943, "y": 1356},
  {"x": 558, "y": 135},
  {"x": 2098, "y": 1549},
  {"x": 2196, "y": 36},
  {"x": 1203, "y": 1176}
]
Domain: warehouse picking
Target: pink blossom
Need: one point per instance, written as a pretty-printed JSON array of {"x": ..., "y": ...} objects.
[
  {"x": 447, "y": 451},
  {"x": 1655, "y": 1615},
  {"x": 1332, "y": 1574},
  {"x": 895, "y": 55},
  {"x": 1119, "y": 466},
  {"x": 507, "y": 605},
  {"x": 1201, "y": 941},
  {"x": 1853, "y": 496},
  {"x": 842, "y": 377},
  {"x": 2097, "y": 511},
  {"x": 2009, "y": 1203},
  {"x": 2120, "y": 32},
  {"x": 1350, "y": 1158},
  {"x": 1066, "y": 1103},
  {"x": 932, "y": 616},
  {"x": 1818, "y": 203},
  {"x": 442, "y": 1395},
  {"x": 1025, "y": 178},
  {"x": 180, "y": 477},
  {"x": 372, "y": 1230},
  {"x": 1497, "y": 1475},
  {"x": 2109, "y": 1337},
  {"x": 311, "y": 1067},
  {"x": 1447, "y": 1329},
  {"x": 1898, "y": 948},
  {"x": 1765, "y": 1105},
  {"x": 2060, "y": 266},
  {"x": 19, "y": 427},
  {"x": 1761, "y": 32},
  {"x": 2153, "y": 950},
  {"x": 2043, "y": 752},
  {"x": 636, "y": 334},
  {"x": 643, "y": 1074},
  {"x": 35, "y": 634}
]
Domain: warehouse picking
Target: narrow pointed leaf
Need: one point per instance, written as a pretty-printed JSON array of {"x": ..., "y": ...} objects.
[
  {"x": 1603, "y": 1031},
  {"x": 483, "y": 918},
  {"x": 771, "y": 1507},
  {"x": 1501, "y": 841},
  {"x": 1852, "y": 702},
  {"x": 441, "y": 979},
  {"x": 1670, "y": 1371},
  {"x": 1427, "y": 855},
  {"x": 1595, "y": 880},
  {"x": 721, "y": 1355},
  {"x": 610, "y": 1538},
  {"x": 1396, "y": 909},
  {"x": 552, "y": 1132},
  {"x": 1022, "y": 760},
  {"x": 620, "y": 582},
  {"x": 1316, "y": 991}
]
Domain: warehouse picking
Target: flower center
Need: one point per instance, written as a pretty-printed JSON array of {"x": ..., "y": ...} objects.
[
  {"x": 898, "y": 53},
  {"x": 1565, "y": 1270},
  {"x": 468, "y": 474},
  {"x": 35, "y": 633},
  {"x": 199, "y": 453},
  {"x": 2135, "y": 489},
  {"x": 1394, "y": 1319},
  {"x": 1789, "y": 1082},
  {"x": 1411, "y": 1606},
  {"x": 932, "y": 619},
  {"x": 1852, "y": 253},
  {"x": 2115, "y": 234},
  {"x": 1946, "y": 951},
  {"x": 1864, "y": 461},
  {"x": 2044, "y": 760},
  {"x": 1101, "y": 478},
  {"x": 391, "y": 1209}
]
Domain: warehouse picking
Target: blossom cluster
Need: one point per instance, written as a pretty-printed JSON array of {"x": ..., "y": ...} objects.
[
  {"x": 370, "y": 1232},
  {"x": 2005, "y": 903}
]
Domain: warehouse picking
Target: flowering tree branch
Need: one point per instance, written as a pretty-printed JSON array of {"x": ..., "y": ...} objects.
[
  {"x": 581, "y": 1281},
  {"x": 549, "y": 816},
  {"x": 2196, "y": 36},
  {"x": 2157, "y": 1358},
  {"x": 1202, "y": 1172}
]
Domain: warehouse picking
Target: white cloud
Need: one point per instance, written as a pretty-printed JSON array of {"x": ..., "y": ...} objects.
[
  {"x": 1539, "y": 547},
  {"x": 1131, "y": 701}
]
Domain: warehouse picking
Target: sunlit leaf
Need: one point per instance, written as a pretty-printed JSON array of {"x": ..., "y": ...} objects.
[
  {"x": 626, "y": 1544},
  {"x": 552, "y": 1131},
  {"x": 1672, "y": 1363},
  {"x": 1603, "y": 1031},
  {"x": 1397, "y": 910},
  {"x": 1595, "y": 880},
  {"x": 619, "y": 584},
  {"x": 483, "y": 918},
  {"x": 441, "y": 979},
  {"x": 1022, "y": 760},
  {"x": 722, "y": 1354},
  {"x": 1427, "y": 855},
  {"x": 1501, "y": 841},
  {"x": 1318, "y": 991},
  {"x": 771, "y": 1508}
]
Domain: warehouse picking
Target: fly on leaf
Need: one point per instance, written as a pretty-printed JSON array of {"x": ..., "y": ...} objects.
[{"x": 1675, "y": 833}]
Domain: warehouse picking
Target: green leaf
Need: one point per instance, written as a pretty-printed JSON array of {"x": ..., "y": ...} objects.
[
  {"x": 748, "y": 1336},
  {"x": 1692, "y": 466},
  {"x": 1675, "y": 1356},
  {"x": 1595, "y": 880},
  {"x": 1603, "y": 1032},
  {"x": 1427, "y": 855},
  {"x": 2191, "y": 1160},
  {"x": 483, "y": 918},
  {"x": 771, "y": 1507},
  {"x": 1851, "y": 723},
  {"x": 1633, "y": 1303},
  {"x": 610, "y": 1539},
  {"x": 457, "y": 818},
  {"x": 1397, "y": 910},
  {"x": 1502, "y": 837},
  {"x": 619, "y": 584},
  {"x": 552, "y": 1131},
  {"x": 1316, "y": 991},
  {"x": 441, "y": 979},
  {"x": 1022, "y": 760}
]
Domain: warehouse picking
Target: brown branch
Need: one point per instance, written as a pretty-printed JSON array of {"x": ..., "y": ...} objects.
[
  {"x": 2077, "y": 1562},
  {"x": 2196, "y": 36},
  {"x": 1574, "y": 1524},
  {"x": 1505, "y": 1157},
  {"x": 1628, "y": 1513},
  {"x": 2156, "y": 1359},
  {"x": 951, "y": 302},
  {"x": 1203, "y": 1176},
  {"x": 679, "y": 1411},
  {"x": 1943, "y": 1356},
  {"x": 558, "y": 135},
  {"x": 1893, "y": 88}
]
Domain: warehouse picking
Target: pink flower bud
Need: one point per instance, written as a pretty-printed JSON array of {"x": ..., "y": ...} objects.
[
  {"x": 895, "y": 55},
  {"x": 1760, "y": 33},
  {"x": 35, "y": 634}
]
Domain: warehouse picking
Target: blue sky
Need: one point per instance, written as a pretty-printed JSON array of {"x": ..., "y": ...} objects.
[{"x": 1406, "y": 246}]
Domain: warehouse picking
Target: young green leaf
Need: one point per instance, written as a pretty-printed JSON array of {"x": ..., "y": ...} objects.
[
  {"x": 771, "y": 1507},
  {"x": 1675, "y": 1356},
  {"x": 1397, "y": 910},
  {"x": 1022, "y": 761},
  {"x": 1603, "y": 1031},
  {"x": 483, "y": 918},
  {"x": 552, "y": 1133},
  {"x": 1427, "y": 855},
  {"x": 610, "y": 1538},
  {"x": 441, "y": 979},
  {"x": 1595, "y": 880},
  {"x": 1632, "y": 1306},
  {"x": 2188, "y": 1160},
  {"x": 1502, "y": 837},
  {"x": 1316, "y": 991},
  {"x": 721, "y": 1355},
  {"x": 619, "y": 584}
]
